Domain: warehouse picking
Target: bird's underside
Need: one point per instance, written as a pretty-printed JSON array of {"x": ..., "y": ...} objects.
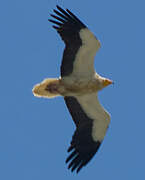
[
  {"x": 78, "y": 84},
  {"x": 50, "y": 88}
]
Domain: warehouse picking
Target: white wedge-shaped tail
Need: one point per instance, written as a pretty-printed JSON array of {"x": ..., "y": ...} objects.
[{"x": 47, "y": 88}]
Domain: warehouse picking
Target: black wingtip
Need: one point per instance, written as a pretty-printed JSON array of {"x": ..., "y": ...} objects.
[
  {"x": 79, "y": 168},
  {"x": 55, "y": 22},
  {"x": 71, "y": 156},
  {"x": 70, "y": 149},
  {"x": 59, "y": 8}
]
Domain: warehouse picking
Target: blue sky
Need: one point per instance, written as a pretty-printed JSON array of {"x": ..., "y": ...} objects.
[{"x": 35, "y": 133}]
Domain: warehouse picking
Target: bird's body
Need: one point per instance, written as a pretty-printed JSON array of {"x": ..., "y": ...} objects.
[
  {"x": 78, "y": 84},
  {"x": 69, "y": 86}
]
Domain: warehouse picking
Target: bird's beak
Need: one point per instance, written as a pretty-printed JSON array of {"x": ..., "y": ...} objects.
[{"x": 107, "y": 82}]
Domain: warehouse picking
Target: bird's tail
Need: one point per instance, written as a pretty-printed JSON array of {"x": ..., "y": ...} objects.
[{"x": 48, "y": 88}]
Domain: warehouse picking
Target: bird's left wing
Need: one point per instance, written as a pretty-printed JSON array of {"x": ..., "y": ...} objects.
[
  {"x": 80, "y": 44},
  {"x": 92, "y": 122}
]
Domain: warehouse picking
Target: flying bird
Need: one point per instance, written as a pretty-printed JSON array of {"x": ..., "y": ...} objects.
[{"x": 79, "y": 85}]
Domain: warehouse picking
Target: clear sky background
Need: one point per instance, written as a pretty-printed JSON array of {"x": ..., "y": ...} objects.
[{"x": 34, "y": 132}]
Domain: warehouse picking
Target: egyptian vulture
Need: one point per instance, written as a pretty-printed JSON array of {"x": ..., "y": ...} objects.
[{"x": 79, "y": 85}]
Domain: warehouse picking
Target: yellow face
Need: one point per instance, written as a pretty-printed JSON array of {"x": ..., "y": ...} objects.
[{"x": 107, "y": 82}]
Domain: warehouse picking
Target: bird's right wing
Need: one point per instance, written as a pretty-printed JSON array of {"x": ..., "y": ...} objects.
[{"x": 81, "y": 44}]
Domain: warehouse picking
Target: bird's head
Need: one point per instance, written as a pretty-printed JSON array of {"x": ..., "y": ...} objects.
[{"x": 104, "y": 82}]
